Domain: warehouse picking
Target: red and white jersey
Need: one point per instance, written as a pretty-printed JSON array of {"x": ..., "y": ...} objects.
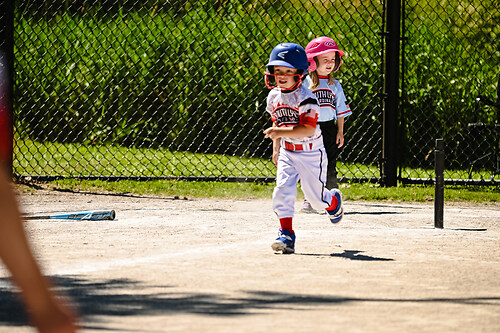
[
  {"x": 331, "y": 99},
  {"x": 297, "y": 107}
]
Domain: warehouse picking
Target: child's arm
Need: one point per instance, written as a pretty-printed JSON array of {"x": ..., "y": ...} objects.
[
  {"x": 276, "y": 150},
  {"x": 47, "y": 313},
  {"x": 276, "y": 147},
  {"x": 295, "y": 132},
  {"x": 340, "y": 131},
  {"x": 343, "y": 111},
  {"x": 275, "y": 134}
]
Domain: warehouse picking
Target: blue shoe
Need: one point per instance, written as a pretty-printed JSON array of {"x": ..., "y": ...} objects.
[
  {"x": 285, "y": 242},
  {"x": 336, "y": 214}
]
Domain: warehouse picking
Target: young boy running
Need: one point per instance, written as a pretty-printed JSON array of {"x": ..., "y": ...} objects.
[{"x": 298, "y": 150}]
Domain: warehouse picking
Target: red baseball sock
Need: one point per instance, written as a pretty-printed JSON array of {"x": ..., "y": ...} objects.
[
  {"x": 286, "y": 224},
  {"x": 334, "y": 204}
]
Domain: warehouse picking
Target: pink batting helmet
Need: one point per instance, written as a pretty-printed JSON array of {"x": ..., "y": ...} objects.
[{"x": 322, "y": 45}]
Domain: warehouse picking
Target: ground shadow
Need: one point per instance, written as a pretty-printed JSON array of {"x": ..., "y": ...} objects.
[
  {"x": 355, "y": 255},
  {"x": 124, "y": 297},
  {"x": 389, "y": 205},
  {"x": 36, "y": 186},
  {"x": 348, "y": 254},
  {"x": 119, "y": 194},
  {"x": 373, "y": 213}
]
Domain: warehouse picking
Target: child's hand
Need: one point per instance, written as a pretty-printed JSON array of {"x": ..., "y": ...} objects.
[
  {"x": 271, "y": 133},
  {"x": 340, "y": 139},
  {"x": 276, "y": 155},
  {"x": 55, "y": 317}
]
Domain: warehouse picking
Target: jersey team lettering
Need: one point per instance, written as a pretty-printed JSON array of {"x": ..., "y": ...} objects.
[
  {"x": 325, "y": 98},
  {"x": 284, "y": 115}
]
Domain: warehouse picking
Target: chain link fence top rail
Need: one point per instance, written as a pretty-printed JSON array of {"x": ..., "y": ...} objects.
[{"x": 175, "y": 88}]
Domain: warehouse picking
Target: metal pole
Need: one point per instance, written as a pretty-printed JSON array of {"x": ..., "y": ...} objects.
[
  {"x": 391, "y": 87},
  {"x": 439, "y": 186},
  {"x": 7, "y": 61}
]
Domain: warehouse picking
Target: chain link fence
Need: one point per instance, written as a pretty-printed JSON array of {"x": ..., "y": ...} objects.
[
  {"x": 451, "y": 88},
  {"x": 175, "y": 89}
]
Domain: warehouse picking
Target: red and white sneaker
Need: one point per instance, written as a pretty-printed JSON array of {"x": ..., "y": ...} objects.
[
  {"x": 337, "y": 213},
  {"x": 307, "y": 208}
]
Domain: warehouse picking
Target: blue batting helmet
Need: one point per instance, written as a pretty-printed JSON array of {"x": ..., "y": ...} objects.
[{"x": 288, "y": 55}]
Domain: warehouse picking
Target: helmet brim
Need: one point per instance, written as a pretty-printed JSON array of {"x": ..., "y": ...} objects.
[
  {"x": 279, "y": 63},
  {"x": 315, "y": 54}
]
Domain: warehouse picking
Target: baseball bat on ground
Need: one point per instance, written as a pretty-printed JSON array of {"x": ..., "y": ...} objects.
[{"x": 90, "y": 216}]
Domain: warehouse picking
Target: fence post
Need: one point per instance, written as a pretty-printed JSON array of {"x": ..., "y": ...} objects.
[
  {"x": 391, "y": 88},
  {"x": 7, "y": 60},
  {"x": 439, "y": 184}
]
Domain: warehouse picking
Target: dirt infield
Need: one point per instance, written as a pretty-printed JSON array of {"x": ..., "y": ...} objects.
[{"x": 167, "y": 265}]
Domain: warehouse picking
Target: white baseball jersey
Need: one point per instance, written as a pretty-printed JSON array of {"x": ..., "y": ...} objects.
[
  {"x": 331, "y": 99},
  {"x": 301, "y": 159},
  {"x": 298, "y": 107}
]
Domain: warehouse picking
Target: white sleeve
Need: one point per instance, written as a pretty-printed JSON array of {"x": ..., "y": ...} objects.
[
  {"x": 343, "y": 109},
  {"x": 269, "y": 106}
]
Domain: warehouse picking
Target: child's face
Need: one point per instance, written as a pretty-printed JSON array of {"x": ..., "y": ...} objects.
[
  {"x": 285, "y": 76},
  {"x": 326, "y": 63}
]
